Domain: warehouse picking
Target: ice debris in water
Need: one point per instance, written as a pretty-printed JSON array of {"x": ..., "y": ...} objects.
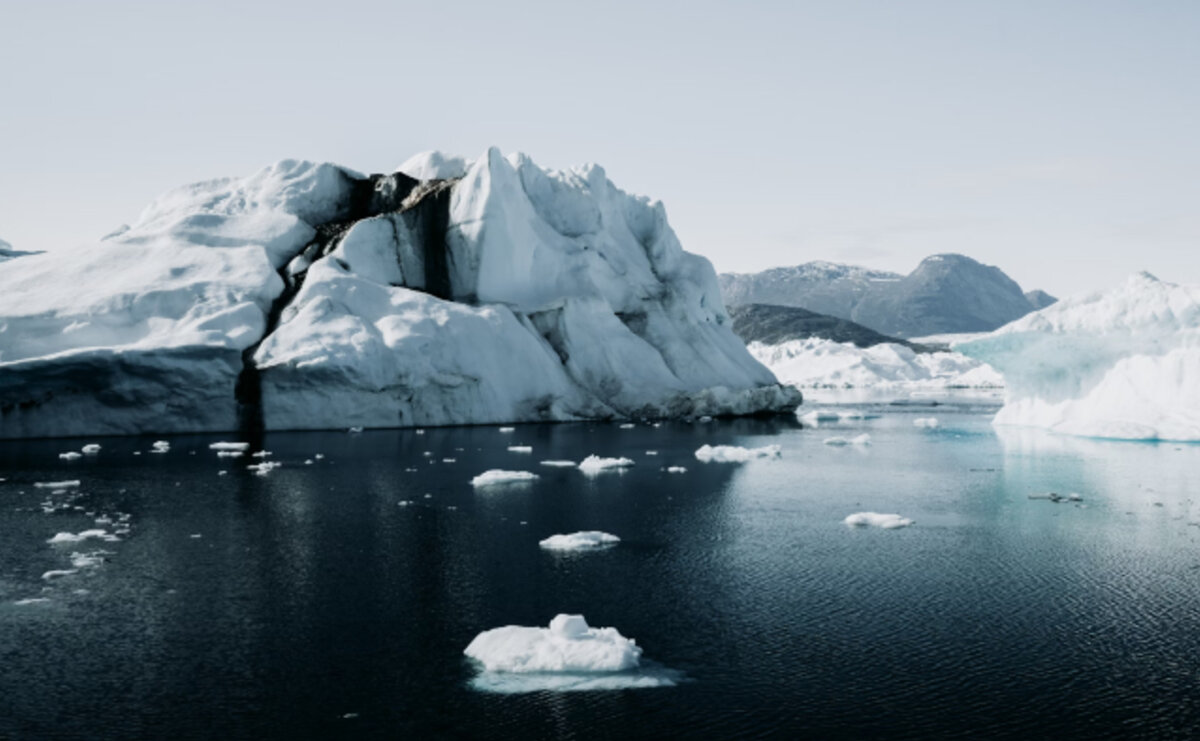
[
  {"x": 71, "y": 484},
  {"x": 520, "y": 448},
  {"x": 83, "y": 535},
  {"x": 651, "y": 452},
  {"x": 863, "y": 439},
  {"x": 875, "y": 519},
  {"x": 594, "y": 464},
  {"x": 568, "y": 645},
  {"x": 580, "y": 541},
  {"x": 498, "y": 476},
  {"x": 927, "y": 422},
  {"x": 354, "y": 430},
  {"x": 507, "y": 429},
  {"x": 56, "y": 573},
  {"x": 676, "y": 469},
  {"x": 91, "y": 448},
  {"x": 628, "y": 426},
  {"x": 262, "y": 454},
  {"x": 262, "y": 469},
  {"x": 229, "y": 454},
  {"x": 734, "y": 454},
  {"x": 160, "y": 446},
  {"x": 229, "y": 446},
  {"x": 87, "y": 560},
  {"x": 70, "y": 455},
  {"x": 559, "y": 464}
]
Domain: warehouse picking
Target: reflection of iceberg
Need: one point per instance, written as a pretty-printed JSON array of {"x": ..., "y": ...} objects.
[
  {"x": 568, "y": 655},
  {"x": 1124, "y": 364}
]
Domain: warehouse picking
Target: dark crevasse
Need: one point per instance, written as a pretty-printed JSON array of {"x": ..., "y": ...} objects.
[{"x": 425, "y": 208}]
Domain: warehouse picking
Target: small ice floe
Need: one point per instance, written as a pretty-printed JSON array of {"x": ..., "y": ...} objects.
[
  {"x": 318, "y": 456},
  {"x": 222, "y": 473},
  {"x": 857, "y": 414},
  {"x": 91, "y": 449},
  {"x": 229, "y": 446},
  {"x": 88, "y": 560},
  {"x": 1075, "y": 497},
  {"x": 69, "y": 484},
  {"x": 31, "y": 601},
  {"x": 449, "y": 460},
  {"x": 497, "y": 476},
  {"x": 676, "y": 469},
  {"x": 520, "y": 448},
  {"x": 734, "y": 454},
  {"x": 262, "y": 454},
  {"x": 137, "y": 452},
  {"x": 559, "y": 464},
  {"x": 817, "y": 416},
  {"x": 262, "y": 469},
  {"x": 508, "y": 429},
  {"x": 594, "y": 464},
  {"x": 70, "y": 455},
  {"x": 627, "y": 426},
  {"x": 863, "y": 439},
  {"x": 926, "y": 422},
  {"x": 874, "y": 519},
  {"x": 57, "y": 573},
  {"x": 405, "y": 502},
  {"x": 569, "y": 655},
  {"x": 704, "y": 419},
  {"x": 420, "y": 432},
  {"x": 160, "y": 446},
  {"x": 308, "y": 461},
  {"x": 651, "y": 452},
  {"x": 581, "y": 541},
  {"x": 97, "y": 534},
  {"x": 428, "y": 454},
  {"x": 196, "y": 536}
]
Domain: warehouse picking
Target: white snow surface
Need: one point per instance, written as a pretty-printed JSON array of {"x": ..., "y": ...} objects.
[
  {"x": 569, "y": 645},
  {"x": 820, "y": 363},
  {"x": 498, "y": 476},
  {"x": 875, "y": 519},
  {"x": 734, "y": 454},
  {"x": 581, "y": 541},
  {"x": 1123, "y": 363},
  {"x": 587, "y": 285}
]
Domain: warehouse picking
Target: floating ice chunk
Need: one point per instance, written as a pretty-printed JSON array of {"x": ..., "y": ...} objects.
[
  {"x": 926, "y": 422},
  {"x": 318, "y": 456},
  {"x": 83, "y": 535},
  {"x": 160, "y": 446},
  {"x": 70, "y": 455},
  {"x": 308, "y": 461},
  {"x": 420, "y": 432},
  {"x": 874, "y": 519},
  {"x": 497, "y": 476},
  {"x": 628, "y": 426},
  {"x": 863, "y": 439},
  {"x": 676, "y": 469},
  {"x": 817, "y": 416},
  {"x": 262, "y": 454},
  {"x": 507, "y": 429},
  {"x": 87, "y": 560},
  {"x": 32, "y": 601},
  {"x": 262, "y": 469},
  {"x": 705, "y": 419},
  {"x": 228, "y": 446},
  {"x": 56, "y": 573},
  {"x": 734, "y": 454},
  {"x": 71, "y": 484},
  {"x": 91, "y": 448},
  {"x": 569, "y": 645},
  {"x": 559, "y": 464},
  {"x": 594, "y": 464},
  {"x": 520, "y": 448},
  {"x": 580, "y": 541},
  {"x": 651, "y": 452}
]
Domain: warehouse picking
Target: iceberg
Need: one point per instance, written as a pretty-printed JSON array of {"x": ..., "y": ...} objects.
[
  {"x": 497, "y": 476},
  {"x": 594, "y": 464},
  {"x": 733, "y": 453},
  {"x": 1123, "y": 363},
  {"x": 874, "y": 519},
  {"x": 580, "y": 541},
  {"x": 309, "y": 296}
]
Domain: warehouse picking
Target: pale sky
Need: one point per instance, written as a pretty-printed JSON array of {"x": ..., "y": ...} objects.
[{"x": 1057, "y": 140}]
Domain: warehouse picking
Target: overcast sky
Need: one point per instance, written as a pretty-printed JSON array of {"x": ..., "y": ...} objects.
[{"x": 1057, "y": 140}]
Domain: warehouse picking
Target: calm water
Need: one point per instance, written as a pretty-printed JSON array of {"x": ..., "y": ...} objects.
[{"x": 312, "y": 604}]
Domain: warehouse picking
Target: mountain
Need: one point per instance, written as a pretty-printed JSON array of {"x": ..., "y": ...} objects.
[
  {"x": 1039, "y": 299},
  {"x": 772, "y": 325},
  {"x": 7, "y": 252},
  {"x": 310, "y": 296},
  {"x": 944, "y": 294}
]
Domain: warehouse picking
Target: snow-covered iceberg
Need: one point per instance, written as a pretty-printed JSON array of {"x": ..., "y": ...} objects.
[
  {"x": 584, "y": 540},
  {"x": 821, "y": 363},
  {"x": 1119, "y": 364},
  {"x": 310, "y": 296}
]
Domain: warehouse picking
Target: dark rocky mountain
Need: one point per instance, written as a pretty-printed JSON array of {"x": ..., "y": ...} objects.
[
  {"x": 771, "y": 325},
  {"x": 7, "y": 252},
  {"x": 1039, "y": 299},
  {"x": 945, "y": 294}
]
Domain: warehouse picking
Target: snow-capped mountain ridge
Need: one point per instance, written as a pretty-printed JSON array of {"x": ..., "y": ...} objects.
[{"x": 307, "y": 295}]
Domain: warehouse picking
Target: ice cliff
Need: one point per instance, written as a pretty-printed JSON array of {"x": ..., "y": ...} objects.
[
  {"x": 1119, "y": 364},
  {"x": 310, "y": 296}
]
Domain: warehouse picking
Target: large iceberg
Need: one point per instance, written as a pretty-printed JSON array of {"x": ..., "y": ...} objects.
[
  {"x": 310, "y": 296},
  {"x": 1119, "y": 364}
]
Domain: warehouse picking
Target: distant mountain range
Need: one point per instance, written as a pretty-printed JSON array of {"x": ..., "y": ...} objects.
[
  {"x": 773, "y": 325},
  {"x": 945, "y": 294},
  {"x": 7, "y": 252}
]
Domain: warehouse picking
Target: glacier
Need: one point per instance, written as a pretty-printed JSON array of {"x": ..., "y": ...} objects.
[
  {"x": 1122, "y": 364},
  {"x": 309, "y": 296}
]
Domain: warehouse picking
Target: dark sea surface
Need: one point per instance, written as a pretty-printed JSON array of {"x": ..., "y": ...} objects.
[{"x": 309, "y": 603}]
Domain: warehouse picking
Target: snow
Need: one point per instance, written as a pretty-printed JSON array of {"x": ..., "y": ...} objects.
[
  {"x": 863, "y": 439},
  {"x": 228, "y": 446},
  {"x": 568, "y": 645},
  {"x": 559, "y": 464},
  {"x": 580, "y": 541},
  {"x": 594, "y": 464},
  {"x": 1123, "y": 363},
  {"x": 874, "y": 519},
  {"x": 497, "y": 476},
  {"x": 820, "y": 363},
  {"x": 734, "y": 454},
  {"x": 926, "y": 422}
]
